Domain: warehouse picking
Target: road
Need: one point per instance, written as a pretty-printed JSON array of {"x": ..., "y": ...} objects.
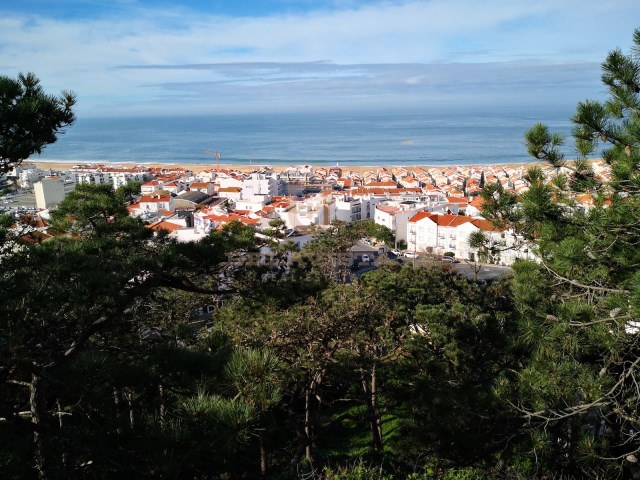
[{"x": 484, "y": 271}]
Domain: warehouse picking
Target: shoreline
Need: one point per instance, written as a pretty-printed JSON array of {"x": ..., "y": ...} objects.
[{"x": 200, "y": 167}]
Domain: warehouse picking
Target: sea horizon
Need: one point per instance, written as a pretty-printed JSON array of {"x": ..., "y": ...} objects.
[{"x": 406, "y": 138}]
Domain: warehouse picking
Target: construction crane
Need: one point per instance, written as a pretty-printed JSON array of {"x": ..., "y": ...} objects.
[{"x": 217, "y": 154}]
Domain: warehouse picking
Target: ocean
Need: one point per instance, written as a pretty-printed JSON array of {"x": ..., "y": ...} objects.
[{"x": 447, "y": 137}]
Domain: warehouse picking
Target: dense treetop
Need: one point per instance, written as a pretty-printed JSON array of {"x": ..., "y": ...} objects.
[{"x": 30, "y": 119}]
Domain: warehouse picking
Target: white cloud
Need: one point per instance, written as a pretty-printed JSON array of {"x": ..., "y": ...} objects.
[{"x": 85, "y": 55}]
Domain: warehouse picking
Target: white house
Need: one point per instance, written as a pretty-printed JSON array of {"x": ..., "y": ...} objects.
[
  {"x": 151, "y": 186},
  {"x": 254, "y": 204},
  {"x": 232, "y": 193},
  {"x": 205, "y": 187},
  {"x": 395, "y": 215},
  {"x": 348, "y": 209},
  {"x": 26, "y": 175},
  {"x": 261, "y": 183},
  {"x": 156, "y": 202},
  {"x": 432, "y": 233},
  {"x": 439, "y": 234}
]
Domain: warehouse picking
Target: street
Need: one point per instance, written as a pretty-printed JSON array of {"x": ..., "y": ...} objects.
[{"x": 484, "y": 271}]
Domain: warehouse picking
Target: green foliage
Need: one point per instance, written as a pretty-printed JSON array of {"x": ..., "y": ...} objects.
[
  {"x": 30, "y": 119},
  {"x": 223, "y": 423},
  {"x": 544, "y": 145},
  {"x": 402, "y": 373},
  {"x": 356, "y": 472},
  {"x": 577, "y": 346}
]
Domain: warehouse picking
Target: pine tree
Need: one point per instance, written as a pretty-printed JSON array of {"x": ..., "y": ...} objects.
[
  {"x": 578, "y": 307},
  {"x": 30, "y": 119}
]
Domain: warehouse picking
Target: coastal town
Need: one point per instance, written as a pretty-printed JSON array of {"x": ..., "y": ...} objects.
[{"x": 430, "y": 211}]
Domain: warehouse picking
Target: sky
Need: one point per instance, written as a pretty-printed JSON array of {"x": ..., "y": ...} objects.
[{"x": 143, "y": 57}]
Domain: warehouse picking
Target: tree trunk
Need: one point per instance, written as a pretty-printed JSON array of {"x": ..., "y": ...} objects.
[
  {"x": 61, "y": 425},
  {"x": 128, "y": 396},
  {"x": 370, "y": 391},
  {"x": 163, "y": 407},
  {"x": 116, "y": 400},
  {"x": 308, "y": 430},
  {"x": 376, "y": 421},
  {"x": 36, "y": 404},
  {"x": 298, "y": 427},
  {"x": 263, "y": 457}
]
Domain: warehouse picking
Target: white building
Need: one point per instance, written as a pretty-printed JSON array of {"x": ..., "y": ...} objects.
[
  {"x": 113, "y": 177},
  {"x": 95, "y": 178},
  {"x": 264, "y": 184},
  {"x": 395, "y": 215},
  {"x": 232, "y": 193},
  {"x": 151, "y": 186},
  {"x": 50, "y": 191},
  {"x": 156, "y": 202},
  {"x": 205, "y": 187},
  {"x": 348, "y": 209},
  {"x": 316, "y": 210},
  {"x": 440, "y": 234},
  {"x": 27, "y": 175},
  {"x": 253, "y": 205}
]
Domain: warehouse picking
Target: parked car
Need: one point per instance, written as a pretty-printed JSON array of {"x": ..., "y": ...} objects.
[
  {"x": 410, "y": 254},
  {"x": 450, "y": 260},
  {"x": 396, "y": 252},
  {"x": 366, "y": 258}
]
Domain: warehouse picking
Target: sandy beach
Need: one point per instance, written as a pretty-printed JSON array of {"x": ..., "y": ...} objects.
[{"x": 60, "y": 166}]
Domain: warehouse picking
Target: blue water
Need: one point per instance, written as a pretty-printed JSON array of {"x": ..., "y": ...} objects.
[{"x": 402, "y": 138}]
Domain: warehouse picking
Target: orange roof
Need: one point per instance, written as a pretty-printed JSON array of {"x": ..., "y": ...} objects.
[
  {"x": 420, "y": 216},
  {"x": 222, "y": 219},
  {"x": 162, "y": 225},
  {"x": 477, "y": 202},
  {"x": 230, "y": 189},
  {"x": 380, "y": 184},
  {"x": 449, "y": 220},
  {"x": 346, "y": 181},
  {"x": 486, "y": 225},
  {"x": 199, "y": 185},
  {"x": 446, "y": 220},
  {"x": 154, "y": 198},
  {"x": 388, "y": 209},
  {"x": 585, "y": 199},
  {"x": 384, "y": 191},
  {"x": 464, "y": 200}
]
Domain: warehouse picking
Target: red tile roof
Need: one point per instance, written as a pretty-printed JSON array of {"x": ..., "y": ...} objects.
[
  {"x": 154, "y": 198},
  {"x": 380, "y": 184},
  {"x": 486, "y": 225},
  {"x": 162, "y": 225},
  {"x": 464, "y": 200}
]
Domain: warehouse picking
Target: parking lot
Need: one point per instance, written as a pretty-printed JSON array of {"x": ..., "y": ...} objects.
[{"x": 19, "y": 203}]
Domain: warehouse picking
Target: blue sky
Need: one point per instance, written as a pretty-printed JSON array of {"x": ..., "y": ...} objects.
[{"x": 140, "y": 57}]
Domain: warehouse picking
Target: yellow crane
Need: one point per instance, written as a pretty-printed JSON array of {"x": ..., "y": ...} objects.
[{"x": 217, "y": 154}]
